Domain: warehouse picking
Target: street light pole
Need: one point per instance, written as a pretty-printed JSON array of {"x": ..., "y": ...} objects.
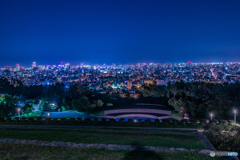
[
  {"x": 235, "y": 112},
  {"x": 18, "y": 112},
  {"x": 48, "y": 114},
  {"x": 211, "y": 116}
]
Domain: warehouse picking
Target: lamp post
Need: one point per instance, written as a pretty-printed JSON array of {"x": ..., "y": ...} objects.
[
  {"x": 235, "y": 113},
  {"x": 48, "y": 115},
  {"x": 18, "y": 112},
  {"x": 211, "y": 115}
]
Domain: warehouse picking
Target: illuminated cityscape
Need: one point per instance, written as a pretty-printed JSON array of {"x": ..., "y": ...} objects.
[{"x": 128, "y": 76}]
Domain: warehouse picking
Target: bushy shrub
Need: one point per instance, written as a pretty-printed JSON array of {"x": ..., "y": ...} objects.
[
  {"x": 233, "y": 129},
  {"x": 226, "y": 127},
  {"x": 55, "y": 119},
  {"x": 230, "y": 122},
  {"x": 175, "y": 121},
  {"x": 176, "y": 115},
  {"x": 8, "y": 119},
  {"x": 166, "y": 121},
  {"x": 213, "y": 121},
  {"x": 112, "y": 120},
  {"x": 203, "y": 121},
  {"x": 63, "y": 119},
  {"x": 1, "y": 119},
  {"x": 30, "y": 119},
  {"x": 206, "y": 127},
  {"x": 121, "y": 120},
  {"x": 39, "y": 118},
  {"x": 17, "y": 118},
  {"x": 156, "y": 121},
  {"x": 96, "y": 119},
  {"x": 23, "y": 119},
  {"x": 130, "y": 121},
  {"x": 184, "y": 121},
  {"x": 147, "y": 121},
  {"x": 193, "y": 121},
  {"x": 79, "y": 119},
  {"x": 224, "y": 142},
  {"x": 139, "y": 120},
  {"x": 88, "y": 120},
  {"x": 215, "y": 129},
  {"x": 72, "y": 119},
  {"x": 109, "y": 104},
  {"x": 48, "y": 119},
  {"x": 224, "y": 122},
  {"x": 103, "y": 120}
]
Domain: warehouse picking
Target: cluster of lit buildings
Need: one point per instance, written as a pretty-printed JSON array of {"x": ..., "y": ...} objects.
[{"x": 119, "y": 78}]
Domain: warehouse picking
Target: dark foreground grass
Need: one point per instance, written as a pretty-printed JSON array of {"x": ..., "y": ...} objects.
[
  {"x": 93, "y": 123},
  {"x": 189, "y": 142},
  {"x": 105, "y": 129},
  {"x": 27, "y": 152}
]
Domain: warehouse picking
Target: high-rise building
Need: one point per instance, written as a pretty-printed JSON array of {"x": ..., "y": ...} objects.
[
  {"x": 17, "y": 67},
  {"x": 67, "y": 66},
  {"x": 34, "y": 65},
  {"x": 81, "y": 65}
]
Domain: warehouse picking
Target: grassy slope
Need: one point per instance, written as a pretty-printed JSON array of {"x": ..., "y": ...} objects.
[
  {"x": 106, "y": 138},
  {"x": 24, "y": 152},
  {"x": 125, "y": 124}
]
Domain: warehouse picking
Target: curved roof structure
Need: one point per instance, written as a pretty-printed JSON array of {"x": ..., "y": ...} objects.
[{"x": 156, "y": 112}]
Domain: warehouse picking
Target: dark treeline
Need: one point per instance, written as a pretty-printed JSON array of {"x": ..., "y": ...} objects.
[
  {"x": 76, "y": 97},
  {"x": 198, "y": 99}
]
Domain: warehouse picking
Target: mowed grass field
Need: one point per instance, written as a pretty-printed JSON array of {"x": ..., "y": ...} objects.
[
  {"x": 106, "y": 137},
  {"x": 93, "y": 123},
  {"x": 10, "y": 151}
]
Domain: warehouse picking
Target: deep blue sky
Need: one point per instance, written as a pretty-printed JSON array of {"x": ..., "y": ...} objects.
[{"x": 118, "y": 31}]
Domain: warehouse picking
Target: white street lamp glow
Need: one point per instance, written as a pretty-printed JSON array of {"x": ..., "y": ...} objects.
[
  {"x": 18, "y": 112},
  {"x": 211, "y": 115},
  {"x": 235, "y": 115}
]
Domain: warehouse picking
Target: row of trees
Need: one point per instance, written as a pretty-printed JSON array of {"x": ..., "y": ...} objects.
[
  {"x": 198, "y": 99},
  {"x": 81, "y": 104},
  {"x": 9, "y": 105}
]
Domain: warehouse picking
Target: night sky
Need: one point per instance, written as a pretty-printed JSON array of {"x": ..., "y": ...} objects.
[{"x": 118, "y": 31}]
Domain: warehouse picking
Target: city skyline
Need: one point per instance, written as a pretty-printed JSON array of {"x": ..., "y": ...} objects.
[{"x": 107, "y": 64}]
